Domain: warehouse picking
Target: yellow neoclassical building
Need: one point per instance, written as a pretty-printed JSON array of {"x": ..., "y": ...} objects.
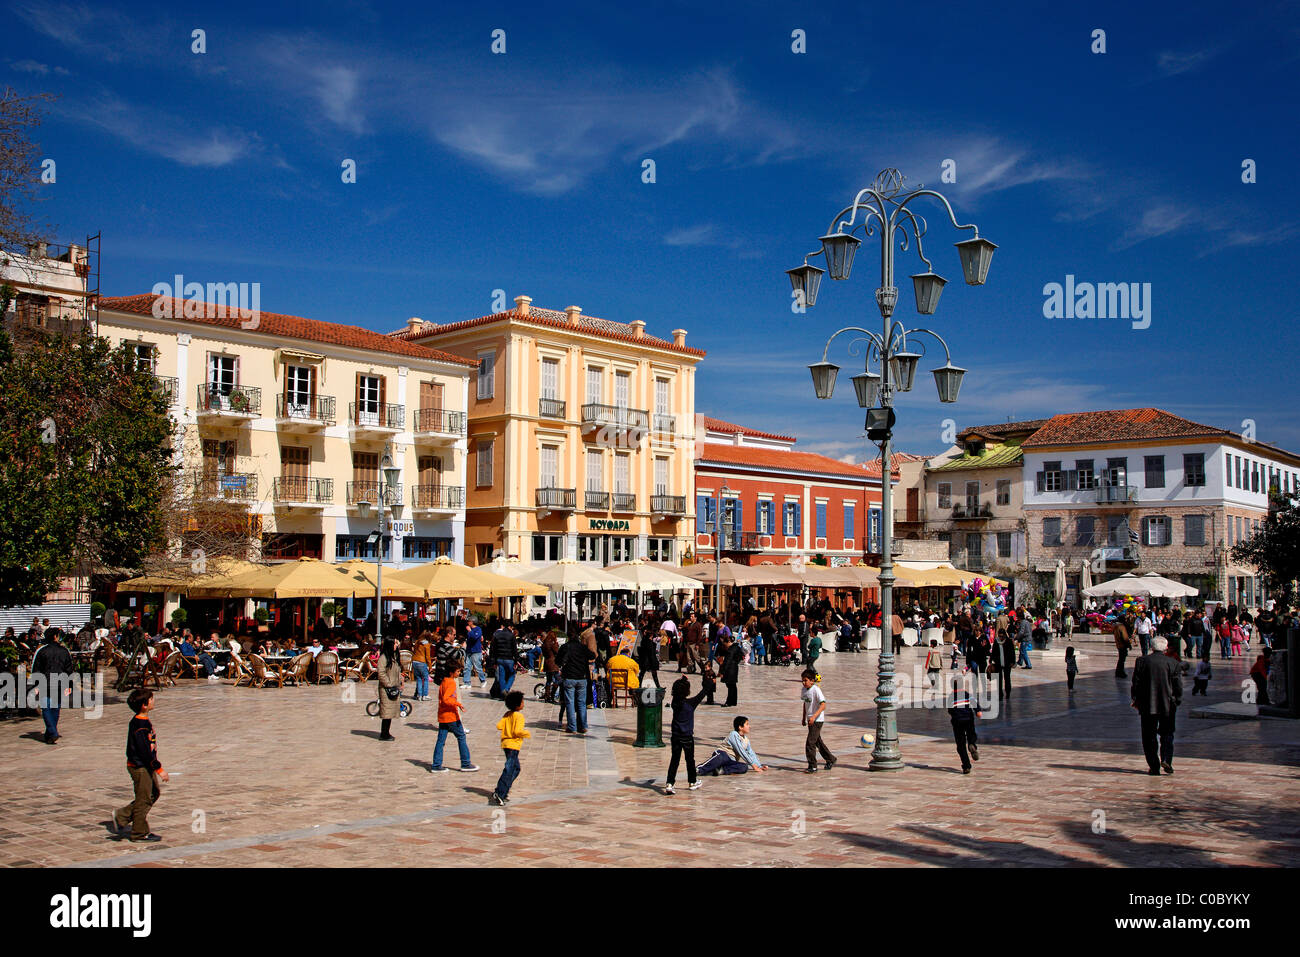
[
  {"x": 580, "y": 439},
  {"x": 292, "y": 417}
]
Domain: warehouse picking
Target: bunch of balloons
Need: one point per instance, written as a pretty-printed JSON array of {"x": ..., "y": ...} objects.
[
  {"x": 1128, "y": 605},
  {"x": 989, "y": 596}
]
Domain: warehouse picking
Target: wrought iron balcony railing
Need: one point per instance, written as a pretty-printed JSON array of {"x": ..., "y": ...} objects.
[
  {"x": 596, "y": 501},
  {"x": 599, "y": 415},
  {"x": 238, "y": 399},
  {"x": 240, "y": 486},
  {"x": 371, "y": 416},
  {"x": 440, "y": 420},
  {"x": 438, "y": 496},
  {"x": 625, "y": 501},
  {"x": 310, "y": 408},
  {"x": 368, "y": 491},
  {"x": 294, "y": 488},
  {"x": 668, "y": 504}
]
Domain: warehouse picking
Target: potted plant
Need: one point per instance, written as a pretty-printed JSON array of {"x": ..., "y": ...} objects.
[
  {"x": 260, "y": 615},
  {"x": 97, "y": 609},
  {"x": 179, "y": 616},
  {"x": 328, "y": 611},
  {"x": 239, "y": 401}
]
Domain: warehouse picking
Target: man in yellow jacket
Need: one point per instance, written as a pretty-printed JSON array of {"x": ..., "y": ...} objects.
[{"x": 621, "y": 662}]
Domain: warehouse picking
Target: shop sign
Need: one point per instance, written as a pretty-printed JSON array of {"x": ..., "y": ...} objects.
[{"x": 609, "y": 525}]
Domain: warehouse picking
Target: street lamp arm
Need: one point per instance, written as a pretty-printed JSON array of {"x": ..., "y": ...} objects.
[
  {"x": 946, "y": 205},
  {"x": 947, "y": 352},
  {"x": 869, "y": 211},
  {"x": 873, "y": 336},
  {"x": 918, "y": 230}
]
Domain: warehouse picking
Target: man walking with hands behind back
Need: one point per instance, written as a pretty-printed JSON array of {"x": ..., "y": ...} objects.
[{"x": 1156, "y": 693}]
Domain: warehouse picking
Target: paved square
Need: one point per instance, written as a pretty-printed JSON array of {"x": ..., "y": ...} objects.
[{"x": 295, "y": 776}]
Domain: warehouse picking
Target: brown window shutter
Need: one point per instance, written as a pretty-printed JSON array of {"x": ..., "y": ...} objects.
[
  {"x": 383, "y": 398},
  {"x": 357, "y": 405}
]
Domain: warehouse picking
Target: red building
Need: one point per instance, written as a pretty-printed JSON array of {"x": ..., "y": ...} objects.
[{"x": 781, "y": 502}]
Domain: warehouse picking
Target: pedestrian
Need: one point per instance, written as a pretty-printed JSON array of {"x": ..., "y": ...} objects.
[
  {"x": 813, "y": 716},
  {"x": 146, "y": 771},
  {"x": 575, "y": 660},
  {"x": 710, "y": 681},
  {"x": 1201, "y": 677},
  {"x": 504, "y": 649},
  {"x": 1123, "y": 642},
  {"x": 513, "y": 733},
  {"x": 1071, "y": 667},
  {"x": 421, "y": 663},
  {"x": 53, "y": 664},
  {"x": 933, "y": 662},
  {"x": 474, "y": 656},
  {"x": 740, "y": 759},
  {"x": 389, "y": 674},
  {"x": 1004, "y": 662},
  {"x": 729, "y": 672},
  {"x": 647, "y": 655},
  {"x": 1025, "y": 638},
  {"x": 896, "y": 626},
  {"x": 814, "y": 651},
  {"x": 1156, "y": 692},
  {"x": 1144, "y": 632},
  {"x": 682, "y": 735},
  {"x": 963, "y": 715},
  {"x": 450, "y": 710},
  {"x": 1259, "y": 674}
]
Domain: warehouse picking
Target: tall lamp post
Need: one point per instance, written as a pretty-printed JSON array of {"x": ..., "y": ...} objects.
[
  {"x": 720, "y": 528},
  {"x": 883, "y": 207},
  {"x": 383, "y": 494}
]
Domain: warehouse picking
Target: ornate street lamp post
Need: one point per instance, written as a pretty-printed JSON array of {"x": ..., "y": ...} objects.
[
  {"x": 883, "y": 207},
  {"x": 386, "y": 492}
]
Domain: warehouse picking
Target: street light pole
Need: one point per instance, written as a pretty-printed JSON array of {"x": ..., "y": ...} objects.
[
  {"x": 382, "y": 489},
  {"x": 884, "y": 209},
  {"x": 717, "y": 549}
]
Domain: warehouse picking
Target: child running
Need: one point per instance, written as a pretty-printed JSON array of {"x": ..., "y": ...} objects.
[
  {"x": 449, "y": 712},
  {"x": 1071, "y": 667},
  {"x": 683, "y": 733},
  {"x": 145, "y": 769},
  {"x": 963, "y": 728},
  {"x": 1201, "y": 678},
  {"x": 513, "y": 733},
  {"x": 813, "y": 715}
]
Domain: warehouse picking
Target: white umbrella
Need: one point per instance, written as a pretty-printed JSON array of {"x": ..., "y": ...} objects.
[
  {"x": 1058, "y": 586},
  {"x": 1168, "y": 588},
  {"x": 567, "y": 576},
  {"x": 643, "y": 576},
  {"x": 1085, "y": 576},
  {"x": 1128, "y": 584}
]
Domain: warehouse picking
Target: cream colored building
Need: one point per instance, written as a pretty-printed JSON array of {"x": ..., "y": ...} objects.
[
  {"x": 581, "y": 436},
  {"x": 292, "y": 416}
]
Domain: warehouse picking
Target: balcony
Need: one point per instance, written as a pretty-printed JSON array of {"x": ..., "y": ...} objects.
[
  {"x": 1107, "y": 494},
  {"x": 1122, "y": 554},
  {"x": 303, "y": 492},
  {"x": 971, "y": 563},
  {"x": 972, "y": 511},
  {"x": 303, "y": 413},
  {"x": 372, "y": 420},
  {"x": 233, "y": 486},
  {"x": 663, "y": 423},
  {"x": 625, "y": 501},
  {"x": 551, "y": 408},
  {"x": 168, "y": 387},
  {"x": 595, "y": 501},
  {"x": 596, "y": 415},
  {"x": 668, "y": 504},
  {"x": 368, "y": 491},
  {"x": 438, "y": 426},
  {"x": 557, "y": 499},
  {"x": 741, "y": 542},
  {"x": 239, "y": 403},
  {"x": 437, "y": 498}
]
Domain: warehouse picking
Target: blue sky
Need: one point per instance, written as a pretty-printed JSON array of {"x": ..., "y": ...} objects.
[{"x": 522, "y": 172}]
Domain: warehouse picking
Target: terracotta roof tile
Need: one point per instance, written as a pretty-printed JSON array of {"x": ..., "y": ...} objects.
[
  {"x": 717, "y": 453},
  {"x": 1007, "y": 428},
  {"x": 288, "y": 327},
  {"x": 717, "y": 425},
  {"x": 603, "y": 328},
  {"x": 1117, "y": 425}
]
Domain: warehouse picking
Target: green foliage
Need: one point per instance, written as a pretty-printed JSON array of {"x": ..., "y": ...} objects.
[
  {"x": 179, "y": 616},
  {"x": 818, "y": 559},
  {"x": 261, "y": 615},
  {"x": 1275, "y": 550},
  {"x": 97, "y": 609},
  {"x": 85, "y": 444},
  {"x": 329, "y": 609}
]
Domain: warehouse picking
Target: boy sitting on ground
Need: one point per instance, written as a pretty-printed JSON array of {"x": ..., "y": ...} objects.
[{"x": 741, "y": 758}]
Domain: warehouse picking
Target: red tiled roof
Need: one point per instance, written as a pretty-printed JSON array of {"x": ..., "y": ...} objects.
[
  {"x": 896, "y": 459},
  {"x": 287, "y": 327},
  {"x": 716, "y": 453},
  {"x": 1117, "y": 425},
  {"x": 1007, "y": 428},
  {"x": 717, "y": 425},
  {"x": 603, "y": 328}
]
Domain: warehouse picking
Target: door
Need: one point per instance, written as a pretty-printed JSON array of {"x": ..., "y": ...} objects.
[
  {"x": 218, "y": 462},
  {"x": 365, "y": 477},
  {"x": 550, "y": 378},
  {"x": 913, "y": 505},
  {"x": 370, "y": 399},
  {"x": 294, "y": 462},
  {"x": 622, "y": 389},
  {"x": 429, "y": 492},
  {"x": 661, "y": 476},
  {"x": 299, "y": 391},
  {"x": 223, "y": 376}
]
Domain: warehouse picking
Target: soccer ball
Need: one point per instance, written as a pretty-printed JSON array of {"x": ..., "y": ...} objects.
[{"x": 868, "y": 739}]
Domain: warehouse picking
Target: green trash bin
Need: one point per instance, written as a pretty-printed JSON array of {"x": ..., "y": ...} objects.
[{"x": 649, "y": 717}]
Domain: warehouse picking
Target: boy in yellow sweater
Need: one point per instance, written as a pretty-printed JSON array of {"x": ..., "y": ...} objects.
[{"x": 513, "y": 733}]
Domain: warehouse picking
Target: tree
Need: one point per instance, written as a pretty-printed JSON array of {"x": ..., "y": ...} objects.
[
  {"x": 20, "y": 179},
  {"x": 85, "y": 459},
  {"x": 1275, "y": 548}
]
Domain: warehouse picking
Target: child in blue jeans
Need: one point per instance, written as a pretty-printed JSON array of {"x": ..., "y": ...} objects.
[{"x": 513, "y": 733}]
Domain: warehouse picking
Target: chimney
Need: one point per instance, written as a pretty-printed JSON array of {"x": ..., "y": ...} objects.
[
  {"x": 522, "y": 303},
  {"x": 414, "y": 324},
  {"x": 679, "y": 338},
  {"x": 573, "y": 313},
  {"x": 638, "y": 328}
]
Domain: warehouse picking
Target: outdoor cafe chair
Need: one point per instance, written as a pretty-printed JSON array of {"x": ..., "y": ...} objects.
[
  {"x": 171, "y": 667},
  {"x": 264, "y": 674},
  {"x": 407, "y": 670},
  {"x": 239, "y": 671},
  {"x": 188, "y": 667},
  {"x": 618, "y": 684},
  {"x": 298, "y": 669},
  {"x": 327, "y": 667},
  {"x": 359, "y": 669}
]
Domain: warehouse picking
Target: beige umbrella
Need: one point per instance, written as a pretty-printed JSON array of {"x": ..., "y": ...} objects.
[
  {"x": 1168, "y": 588},
  {"x": 1128, "y": 584},
  {"x": 642, "y": 576},
  {"x": 1085, "y": 575},
  {"x": 219, "y": 573},
  {"x": 443, "y": 578},
  {"x": 1058, "y": 585}
]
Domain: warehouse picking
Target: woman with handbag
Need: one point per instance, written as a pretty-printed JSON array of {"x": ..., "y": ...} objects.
[{"x": 390, "y": 686}]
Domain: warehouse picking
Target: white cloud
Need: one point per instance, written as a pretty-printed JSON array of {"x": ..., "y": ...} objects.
[
  {"x": 1171, "y": 63},
  {"x": 162, "y": 134}
]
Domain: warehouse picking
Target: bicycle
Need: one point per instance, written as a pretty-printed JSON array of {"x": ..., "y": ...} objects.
[
  {"x": 548, "y": 695},
  {"x": 372, "y": 708}
]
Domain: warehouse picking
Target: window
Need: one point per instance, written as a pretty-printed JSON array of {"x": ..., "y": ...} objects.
[
  {"x": 1004, "y": 491},
  {"x": 145, "y": 355},
  {"x": 223, "y": 373},
  {"x": 595, "y": 385},
  {"x": 1116, "y": 531},
  {"x": 1254, "y": 476},
  {"x": 547, "y": 548},
  {"x": 1238, "y": 482},
  {"x": 1193, "y": 529},
  {"x": 1085, "y": 530},
  {"x": 622, "y": 389},
  {"x": 763, "y": 521},
  {"x": 1004, "y": 544},
  {"x": 1194, "y": 468},
  {"x": 218, "y": 457},
  {"x": 299, "y": 386},
  {"x": 974, "y": 545},
  {"x": 621, "y": 549},
  {"x": 1155, "y": 468},
  {"x": 1155, "y": 530},
  {"x": 487, "y": 375},
  {"x": 821, "y": 519},
  {"x": 548, "y": 463},
  {"x": 591, "y": 548},
  {"x": 1116, "y": 472},
  {"x": 550, "y": 378},
  {"x": 358, "y": 546},
  {"x": 483, "y": 457},
  {"x": 661, "y": 396},
  {"x": 973, "y": 496},
  {"x": 850, "y": 523},
  {"x": 1051, "y": 531},
  {"x": 425, "y": 548},
  {"x": 704, "y": 513},
  {"x": 661, "y": 476},
  {"x": 790, "y": 518},
  {"x": 1087, "y": 473},
  {"x": 659, "y": 549},
  {"x": 1051, "y": 478},
  {"x": 370, "y": 396},
  {"x": 595, "y": 471},
  {"x": 622, "y": 471},
  {"x": 945, "y": 495}
]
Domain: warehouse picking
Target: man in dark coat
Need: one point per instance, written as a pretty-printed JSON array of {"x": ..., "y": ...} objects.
[
  {"x": 1156, "y": 693},
  {"x": 504, "y": 649},
  {"x": 53, "y": 664},
  {"x": 730, "y": 670},
  {"x": 1123, "y": 642},
  {"x": 1004, "y": 662}
]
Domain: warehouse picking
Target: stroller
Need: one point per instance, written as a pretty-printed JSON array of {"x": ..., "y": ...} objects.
[{"x": 782, "y": 652}]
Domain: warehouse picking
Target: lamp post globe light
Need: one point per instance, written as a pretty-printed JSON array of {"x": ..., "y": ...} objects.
[
  {"x": 383, "y": 493},
  {"x": 883, "y": 208}
]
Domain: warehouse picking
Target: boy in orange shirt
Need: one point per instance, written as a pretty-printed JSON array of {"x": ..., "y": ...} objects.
[
  {"x": 449, "y": 712},
  {"x": 512, "y": 739}
]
